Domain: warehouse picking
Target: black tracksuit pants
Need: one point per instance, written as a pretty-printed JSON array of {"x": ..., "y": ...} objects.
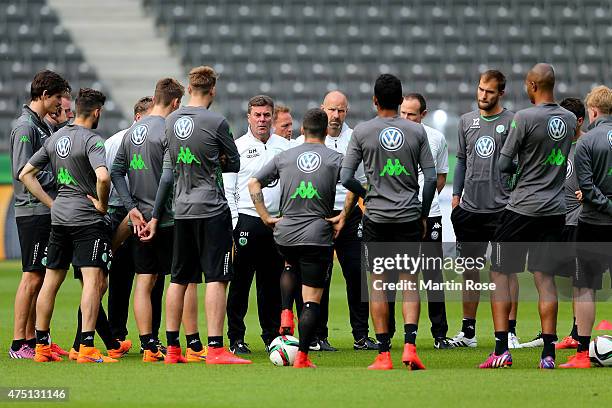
[
  {"x": 120, "y": 280},
  {"x": 255, "y": 255}
]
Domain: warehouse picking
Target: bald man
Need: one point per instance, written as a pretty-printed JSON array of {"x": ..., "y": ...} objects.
[
  {"x": 348, "y": 243},
  {"x": 534, "y": 218}
]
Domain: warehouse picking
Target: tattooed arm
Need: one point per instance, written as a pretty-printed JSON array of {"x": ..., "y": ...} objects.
[{"x": 260, "y": 205}]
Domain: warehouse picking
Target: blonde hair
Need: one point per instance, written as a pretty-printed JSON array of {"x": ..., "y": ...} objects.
[
  {"x": 600, "y": 98},
  {"x": 202, "y": 79}
]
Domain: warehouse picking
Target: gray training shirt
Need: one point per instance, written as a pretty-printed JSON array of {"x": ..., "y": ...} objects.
[
  {"x": 594, "y": 170},
  {"x": 572, "y": 205},
  {"x": 541, "y": 136},
  {"x": 485, "y": 188},
  {"x": 74, "y": 153},
  {"x": 27, "y": 137},
  {"x": 392, "y": 149},
  {"x": 307, "y": 176},
  {"x": 197, "y": 139},
  {"x": 141, "y": 157}
]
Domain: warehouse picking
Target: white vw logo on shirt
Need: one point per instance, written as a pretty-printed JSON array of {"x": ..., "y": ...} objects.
[
  {"x": 569, "y": 169},
  {"x": 610, "y": 138},
  {"x": 139, "y": 134},
  {"x": 557, "y": 129},
  {"x": 309, "y": 162},
  {"x": 62, "y": 147},
  {"x": 183, "y": 128},
  {"x": 485, "y": 147},
  {"x": 391, "y": 139}
]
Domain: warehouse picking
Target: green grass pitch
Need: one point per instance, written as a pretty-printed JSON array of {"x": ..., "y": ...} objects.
[{"x": 451, "y": 378}]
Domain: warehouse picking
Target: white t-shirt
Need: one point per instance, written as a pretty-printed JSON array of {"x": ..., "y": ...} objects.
[
  {"x": 111, "y": 145},
  {"x": 439, "y": 151}
]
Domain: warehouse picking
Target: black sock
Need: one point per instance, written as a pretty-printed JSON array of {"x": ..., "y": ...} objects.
[
  {"x": 104, "y": 330},
  {"x": 87, "y": 338},
  {"x": 549, "y": 346},
  {"x": 288, "y": 281},
  {"x": 173, "y": 339},
  {"x": 31, "y": 342},
  {"x": 410, "y": 333},
  {"x": 308, "y": 324},
  {"x": 468, "y": 327},
  {"x": 148, "y": 343},
  {"x": 584, "y": 343},
  {"x": 77, "y": 336},
  {"x": 501, "y": 342},
  {"x": 574, "y": 332},
  {"x": 215, "y": 341},
  {"x": 16, "y": 345},
  {"x": 42, "y": 337},
  {"x": 194, "y": 342},
  {"x": 512, "y": 326},
  {"x": 384, "y": 342}
]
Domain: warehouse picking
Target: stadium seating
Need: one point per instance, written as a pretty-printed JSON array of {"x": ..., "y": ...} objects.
[
  {"x": 31, "y": 39},
  {"x": 296, "y": 50}
]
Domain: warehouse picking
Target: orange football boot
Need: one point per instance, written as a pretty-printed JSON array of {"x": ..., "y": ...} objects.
[
  {"x": 220, "y": 355},
  {"x": 410, "y": 358},
  {"x": 93, "y": 355},
  {"x": 382, "y": 362},
  {"x": 44, "y": 354},
  {"x": 302, "y": 361}
]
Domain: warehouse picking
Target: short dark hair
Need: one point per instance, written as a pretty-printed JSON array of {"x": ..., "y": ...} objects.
[
  {"x": 497, "y": 76},
  {"x": 48, "y": 81},
  {"x": 388, "y": 91},
  {"x": 202, "y": 79},
  {"x": 88, "y": 101},
  {"x": 575, "y": 106},
  {"x": 143, "y": 105},
  {"x": 315, "y": 123},
  {"x": 279, "y": 109},
  {"x": 418, "y": 97},
  {"x": 260, "y": 100},
  {"x": 167, "y": 90}
]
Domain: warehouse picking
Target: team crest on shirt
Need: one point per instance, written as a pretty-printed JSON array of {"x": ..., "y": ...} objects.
[
  {"x": 391, "y": 139},
  {"x": 309, "y": 162},
  {"x": 139, "y": 134},
  {"x": 500, "y": 128},
  {"x": 485, "y": 147},
  {"x": 557, "y": 129},
  {"x": 183, "y": 128},
  {"x": 63, "y": 146},
  {"x": 569, "y": 170},
  {"x": 610, "y": 138}
]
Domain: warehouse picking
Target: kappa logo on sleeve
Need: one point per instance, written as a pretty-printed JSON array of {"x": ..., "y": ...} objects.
[{"x": 610, "y": 138}]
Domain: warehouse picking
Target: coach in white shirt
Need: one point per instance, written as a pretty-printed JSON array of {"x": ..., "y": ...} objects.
[
  {"x": 348, "y": 243},
  {"x": 414, "y": 108},
  {"x": 255, "y": 252}
]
